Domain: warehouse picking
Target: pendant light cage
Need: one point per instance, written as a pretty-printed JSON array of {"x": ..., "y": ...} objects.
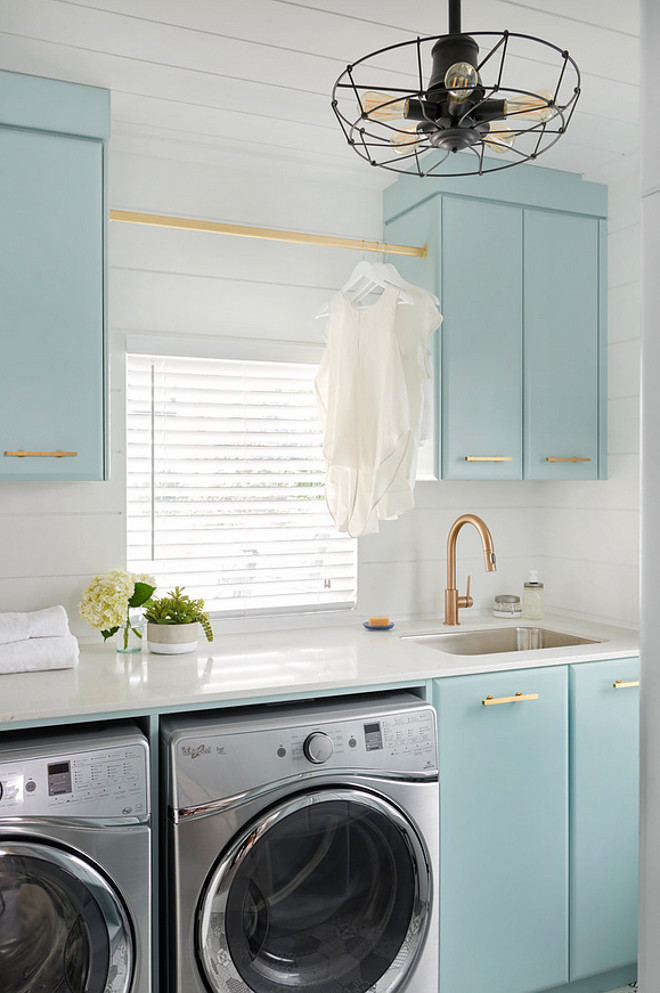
[{"x": 400, "y": 108}]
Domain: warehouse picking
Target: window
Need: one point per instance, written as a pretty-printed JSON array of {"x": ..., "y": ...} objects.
[{"x": 225, "y": 485}]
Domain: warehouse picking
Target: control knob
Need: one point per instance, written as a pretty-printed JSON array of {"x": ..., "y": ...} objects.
[{"x": 318, "y": 747}]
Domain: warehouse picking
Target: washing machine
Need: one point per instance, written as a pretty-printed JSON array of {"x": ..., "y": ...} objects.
[
  {"x": 303, "y": 849},
  {"x": 75, "y": 863}
]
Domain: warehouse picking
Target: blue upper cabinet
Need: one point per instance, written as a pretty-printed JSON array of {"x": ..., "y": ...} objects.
[
  {"x": 52, "y": 279},
  {"x": 562, "y": 345},
  {"x": 481, "y": 340},
  {"x": 520, "y": 269}
]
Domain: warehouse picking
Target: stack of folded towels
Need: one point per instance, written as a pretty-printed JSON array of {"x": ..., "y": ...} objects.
[{"x": 37, "y": 640}]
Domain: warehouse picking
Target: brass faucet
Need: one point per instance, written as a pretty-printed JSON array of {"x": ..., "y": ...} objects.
[{"x": 452, "y": 600}]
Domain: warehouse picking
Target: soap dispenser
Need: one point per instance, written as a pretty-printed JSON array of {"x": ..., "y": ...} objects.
[{"x": 533, "y": 598}]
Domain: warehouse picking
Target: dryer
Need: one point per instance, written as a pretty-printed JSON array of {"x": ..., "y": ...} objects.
[
  {"x": 75, "y": 863},
  {"x": 303, "y": 848}
]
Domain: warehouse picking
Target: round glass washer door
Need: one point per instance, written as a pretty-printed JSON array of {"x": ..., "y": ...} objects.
[
  {"x": 329, "y": 892},
  {"x": 63, "y": 929}
]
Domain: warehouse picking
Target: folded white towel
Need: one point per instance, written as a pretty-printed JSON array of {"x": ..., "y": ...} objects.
[
  {"x": 39, "y": 653},
  {"x": 51, "y": 622}
]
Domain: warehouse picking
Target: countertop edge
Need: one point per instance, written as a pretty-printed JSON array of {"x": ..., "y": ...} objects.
[{"x": 283, "y": 664}]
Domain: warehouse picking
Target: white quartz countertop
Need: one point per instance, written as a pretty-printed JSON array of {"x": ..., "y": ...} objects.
[{"x": 282, "y": 661}]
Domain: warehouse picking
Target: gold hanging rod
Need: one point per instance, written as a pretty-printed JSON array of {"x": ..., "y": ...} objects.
[{"x": 269, "y": 234}]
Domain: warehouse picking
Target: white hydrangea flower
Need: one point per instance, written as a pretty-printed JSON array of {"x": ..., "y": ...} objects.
[
  {"x": 104, "y": 604},
  {"x": 144, "y": 577}
]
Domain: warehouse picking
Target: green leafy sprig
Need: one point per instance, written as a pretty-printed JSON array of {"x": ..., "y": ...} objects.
[{"x": 178, "y": 608}]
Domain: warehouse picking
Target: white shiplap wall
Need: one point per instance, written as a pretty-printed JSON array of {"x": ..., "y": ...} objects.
[
  {"x": 244, "y": 293},
  {"x": 221, "y": 110}
]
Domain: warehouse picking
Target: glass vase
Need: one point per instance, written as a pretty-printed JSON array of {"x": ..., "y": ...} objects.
[{"x": 129, "y": 636}]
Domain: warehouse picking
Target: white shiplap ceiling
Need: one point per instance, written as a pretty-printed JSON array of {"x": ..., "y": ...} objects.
[{"x": 249, "y": 81}]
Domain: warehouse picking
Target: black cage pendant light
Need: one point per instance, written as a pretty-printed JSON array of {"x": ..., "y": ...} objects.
[{"x": 410, "y": 107}]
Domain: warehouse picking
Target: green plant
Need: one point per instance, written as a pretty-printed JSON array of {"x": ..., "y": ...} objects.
[{"x": 178, "y": 608}]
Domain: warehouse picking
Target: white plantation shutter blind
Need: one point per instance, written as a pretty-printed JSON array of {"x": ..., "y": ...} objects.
[{"x": 225, "y": 484}]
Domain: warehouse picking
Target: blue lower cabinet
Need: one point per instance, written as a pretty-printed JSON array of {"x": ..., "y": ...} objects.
[
  {"x": 604, "y": 782},
  {"x": 503, "y": 831}
]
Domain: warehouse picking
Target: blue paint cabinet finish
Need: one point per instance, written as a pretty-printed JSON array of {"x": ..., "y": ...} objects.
[
  {"x": 52, "y": 278},
  {"x": 538, "y": 829},
  {"x": 503, "y": 832},
  {"x": 481, "y": 340},
  {"x": 604, "y": 778},
  {"x": 561, "y": 291},
  {"x": 520, "y": 269}
]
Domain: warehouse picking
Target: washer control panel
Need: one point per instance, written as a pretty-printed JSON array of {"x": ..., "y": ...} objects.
[{"x": 103, "y": 782}]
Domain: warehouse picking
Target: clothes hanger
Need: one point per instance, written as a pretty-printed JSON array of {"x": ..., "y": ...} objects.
[
  {"x": 372, "y": 275},
  {"x": 398, "y": 280}
]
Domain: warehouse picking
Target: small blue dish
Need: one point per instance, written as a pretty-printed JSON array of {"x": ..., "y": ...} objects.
[{"x": 378, "y": 627}]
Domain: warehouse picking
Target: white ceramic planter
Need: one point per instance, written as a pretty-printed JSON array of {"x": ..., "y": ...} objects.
[{"x": 172, "y": 639}]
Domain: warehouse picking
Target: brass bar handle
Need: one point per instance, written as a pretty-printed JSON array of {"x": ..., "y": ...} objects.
[
  {"x": 622, "y": 686},
  {"x": 20, "y": 454},
  {"x": 518, "y": 698},
  {"x": 572, "y": 458},
  {"x": 489, "y": 458}
]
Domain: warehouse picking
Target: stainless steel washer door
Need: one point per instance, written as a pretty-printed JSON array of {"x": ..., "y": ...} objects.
[
  {"x": 62, "y": 927},
  {"x": 330, "y": 892}
]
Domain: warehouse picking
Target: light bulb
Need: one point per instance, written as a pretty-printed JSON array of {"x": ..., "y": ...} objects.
[
  {"x": 404, "y": 142},
  {"x": 500, "y": 138},
  {"x": 531, "y": 107},
  {"x": 460, "y": 81},
  {"x": 380, "y": 107}
]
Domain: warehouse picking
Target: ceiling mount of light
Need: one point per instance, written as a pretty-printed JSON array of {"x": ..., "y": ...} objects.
[{"x": 411, "y": 106}]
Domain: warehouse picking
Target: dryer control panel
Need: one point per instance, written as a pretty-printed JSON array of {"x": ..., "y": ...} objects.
[
  {"x": 208, "y": 766},
  {"x": 105, "y": 782}
]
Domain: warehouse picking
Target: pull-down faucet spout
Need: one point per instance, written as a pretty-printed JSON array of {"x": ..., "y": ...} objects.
[{"x": 453, "y": 602}]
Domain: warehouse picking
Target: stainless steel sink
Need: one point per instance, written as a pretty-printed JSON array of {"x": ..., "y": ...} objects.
[{"x": 518, "y": 639}]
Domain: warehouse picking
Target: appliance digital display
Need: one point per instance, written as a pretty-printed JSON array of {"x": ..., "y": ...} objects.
[
  {"x": 373, "y": 737},
  {"x": 59, "y": 778}
]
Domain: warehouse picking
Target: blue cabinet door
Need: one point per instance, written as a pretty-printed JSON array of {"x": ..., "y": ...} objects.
[
  {"x": 522, "y": 280},
  {"x": 52, "y": 373},
  {"x": 604, "y": 783},
  {"x": 421, "y": 226},
  {"x": 481, "y": 335},
  {"x": 503, "y": 832},
  {"x": 562, "y": 375}
]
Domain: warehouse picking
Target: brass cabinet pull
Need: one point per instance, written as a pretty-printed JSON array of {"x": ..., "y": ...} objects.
[
  {"x": 55, "y": 455},
  {"x": 518, "y": 698},
  {"x": 489, "y": 458},
  {"x": 622, "y": 686},
  {"x": 572, "y": 458}
]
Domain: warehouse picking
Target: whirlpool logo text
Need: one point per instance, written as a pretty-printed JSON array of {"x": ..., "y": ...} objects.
[{"x": 194, "y": 751}]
